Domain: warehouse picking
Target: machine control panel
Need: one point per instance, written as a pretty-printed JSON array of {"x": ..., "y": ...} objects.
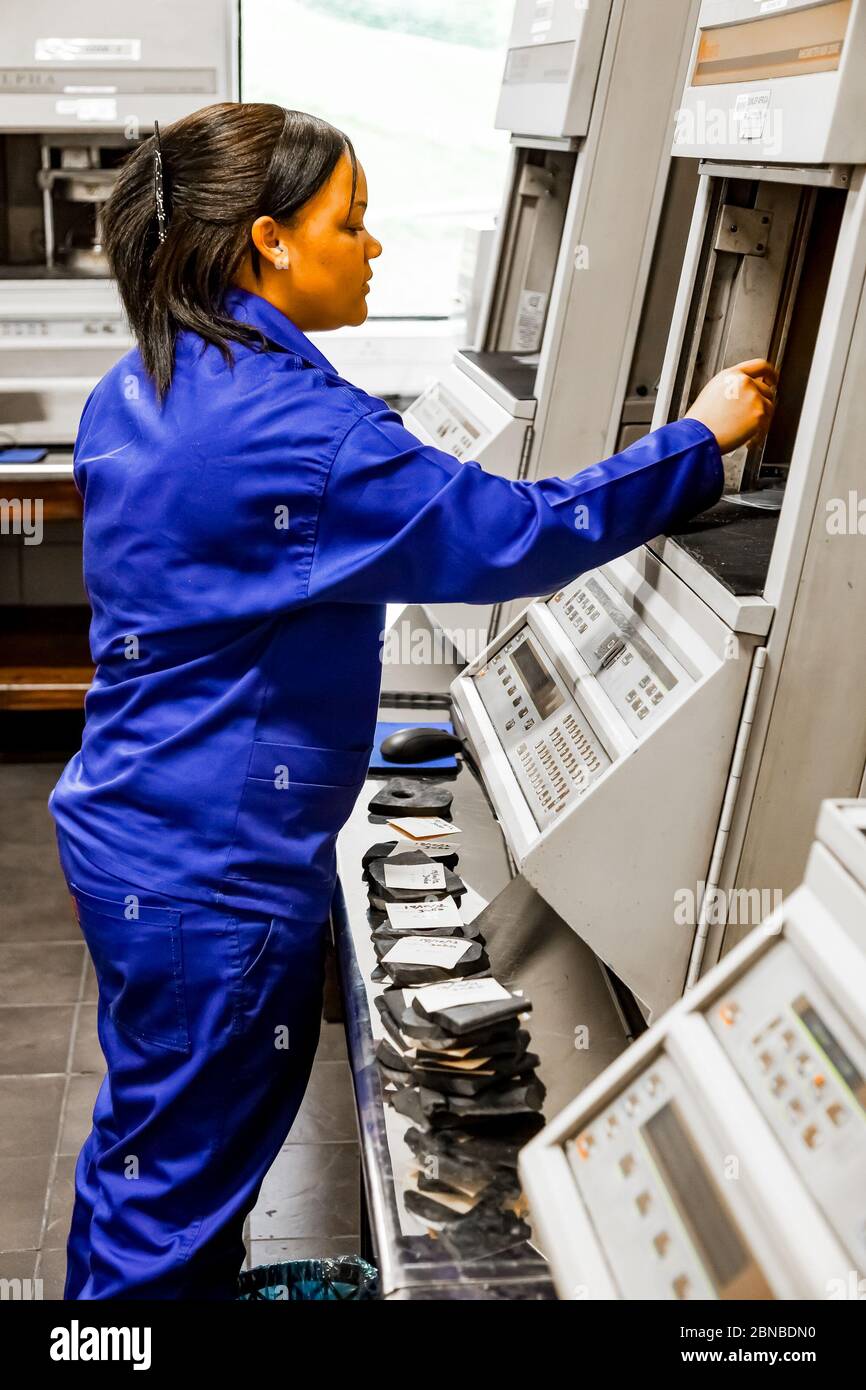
[
  {"x": 638, "y": 674},
  {"x": 805, "y": 1067},
  {"x": 655, "y": 1194},
  {"x": 448, "y": 422},
  {"x": 553, "y": 749}
]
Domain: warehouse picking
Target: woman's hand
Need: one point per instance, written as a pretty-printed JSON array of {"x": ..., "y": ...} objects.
[{"x": 738, "y": 404}]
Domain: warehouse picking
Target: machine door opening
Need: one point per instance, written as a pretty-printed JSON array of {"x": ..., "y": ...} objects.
[
  {"x": 529, "y": 256},
  {"x": 760, "y": 290}
]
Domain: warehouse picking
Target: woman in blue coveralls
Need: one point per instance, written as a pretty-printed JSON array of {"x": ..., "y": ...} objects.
[{"x": 248, "y": 514}]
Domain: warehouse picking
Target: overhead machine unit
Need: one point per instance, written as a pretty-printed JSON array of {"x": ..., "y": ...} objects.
[
  {"x": 79, "y": 88},
  {"x": 632, "y": 726},
  {"x": 562, "y": 362}
]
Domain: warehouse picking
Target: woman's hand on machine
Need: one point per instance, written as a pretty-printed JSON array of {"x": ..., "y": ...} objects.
[{"x": 738, "y": 404}]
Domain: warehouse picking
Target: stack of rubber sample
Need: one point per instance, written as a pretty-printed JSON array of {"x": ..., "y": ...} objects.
[{"x": 455, "y": 1059}]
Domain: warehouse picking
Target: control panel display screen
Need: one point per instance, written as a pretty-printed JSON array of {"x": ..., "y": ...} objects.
[
  {"x": 832, "y": 1049},
  {"x": 784, "y": 45},
  {"x": 650, "y": 1174},
  {"x": 729, "y": 1263},
  {"x": 540, "y": 685}
]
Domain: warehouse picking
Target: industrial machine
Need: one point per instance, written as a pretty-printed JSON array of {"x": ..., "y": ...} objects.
[
  {"x": 572, "y": 327},
  {"x": 637, "y": 728},
  {"x": 75, "y": 96},
  {"x": 722, "y": 1156},
  {"x": 70, "y": 110}
]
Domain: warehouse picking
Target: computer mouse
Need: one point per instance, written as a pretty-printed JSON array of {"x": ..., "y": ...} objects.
[{"x": 419, "y": 744}]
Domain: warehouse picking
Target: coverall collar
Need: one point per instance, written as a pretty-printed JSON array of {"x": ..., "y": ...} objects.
[{"x": 252, "y": 308}]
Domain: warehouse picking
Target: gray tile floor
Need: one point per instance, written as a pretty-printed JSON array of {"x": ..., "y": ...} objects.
[{"x": 51, "y": 1066}]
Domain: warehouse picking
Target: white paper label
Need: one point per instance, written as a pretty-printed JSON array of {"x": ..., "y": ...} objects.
[
  {"x": 750, "y": 114},
  {"x": 424, "y": 827},
  {"x": 88, "y": 108},
  {"x": 402, "y": 848},
  {"x": 420, "y": 916},
  {"x": 452, "y": 992},
  {"x": 444, "y": 951},
  {"x": 530, "y": 320},
  {"x": 414, "y": 875},
  {"x": 87, "y": 50}
]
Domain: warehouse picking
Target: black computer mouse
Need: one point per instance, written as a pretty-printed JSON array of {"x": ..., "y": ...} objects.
[{"x": 419, "y": 744}]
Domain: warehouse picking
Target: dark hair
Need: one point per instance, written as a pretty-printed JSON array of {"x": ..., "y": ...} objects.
[{"x": 223, "y": 167}]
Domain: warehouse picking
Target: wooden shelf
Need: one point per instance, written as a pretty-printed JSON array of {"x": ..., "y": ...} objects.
[{"x": 44, "y": 658}]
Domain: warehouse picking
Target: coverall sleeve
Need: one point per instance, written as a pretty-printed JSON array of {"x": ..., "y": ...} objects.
[{"x": 401, "y": 521}]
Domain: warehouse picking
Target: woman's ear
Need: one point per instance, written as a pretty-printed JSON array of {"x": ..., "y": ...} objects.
[{"x": 265, "y": 234}]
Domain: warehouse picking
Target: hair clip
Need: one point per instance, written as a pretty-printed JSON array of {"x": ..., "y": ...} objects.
[{"x": 159, "y": 191}]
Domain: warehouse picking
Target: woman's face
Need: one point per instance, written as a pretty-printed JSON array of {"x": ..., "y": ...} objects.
[{"x": 325, "y": 283}]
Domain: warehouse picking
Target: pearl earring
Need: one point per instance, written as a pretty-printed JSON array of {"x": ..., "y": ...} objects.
[{"x": 282, "y": 260}]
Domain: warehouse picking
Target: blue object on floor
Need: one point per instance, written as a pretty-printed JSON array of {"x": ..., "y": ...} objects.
[
  {"x": 9, "y": 454},
  {"x": 344, "y": 1278},
  {"x": 379, "y": 763}
]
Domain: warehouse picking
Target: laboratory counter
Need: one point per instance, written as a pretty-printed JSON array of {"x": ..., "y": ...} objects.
[{"x": 575, "y": 1026}]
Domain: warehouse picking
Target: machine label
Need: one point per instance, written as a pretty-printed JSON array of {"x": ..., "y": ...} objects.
[
  {"x": 750, "y": 114},
  {"x": 88, "y": 108},
  {"x": 93, "y": 50},
  {"x": 530, "y": 320}
]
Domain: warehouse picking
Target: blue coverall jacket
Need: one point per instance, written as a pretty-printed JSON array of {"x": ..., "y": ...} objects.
[{"x": 240, "y": 544}]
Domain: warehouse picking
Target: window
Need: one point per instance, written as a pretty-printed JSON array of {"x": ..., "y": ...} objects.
[{"x": 415, "y": 88}]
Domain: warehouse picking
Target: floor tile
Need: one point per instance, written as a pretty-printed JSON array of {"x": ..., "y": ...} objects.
[
  {"x": 32, "y": 973},
  {"x": 327, "y": 1113},
  {"x": 25, "y": 820},
  {"x": 60, "y": 1202},
  {"x": 87, "y": 1055},
  {"x": 29, "y": 1115},
  {"x": 332, "y": 1043},
  {"x": 35, "y": 904},
  {"x": 23, "y": 1183},
  {"x": 311, "y": 1190},
  {"x": 29, "y": 781},
  {"x": 35, "y": 1039},
  {"x": 17, "y": 1264},
  {"x": 52, "y": 1272},
  {"x": 90, "y": 990},
  {"x": 79, "y": 1112},
  {"x": 267, "y": 1252}
]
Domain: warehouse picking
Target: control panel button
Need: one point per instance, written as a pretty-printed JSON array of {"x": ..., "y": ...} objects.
[
  {"x": 838, "y": 1113},
  {"x": 811, "y": 1136}
]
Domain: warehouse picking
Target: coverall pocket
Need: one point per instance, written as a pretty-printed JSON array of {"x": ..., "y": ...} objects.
[
  {"x": 253, "y": 938},
  {"x": 294, "y": 802},
  {"x": 138, "y": 957}
]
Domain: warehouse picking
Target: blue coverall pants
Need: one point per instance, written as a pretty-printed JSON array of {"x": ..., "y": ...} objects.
[{"x": 209, "y": 1022}]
